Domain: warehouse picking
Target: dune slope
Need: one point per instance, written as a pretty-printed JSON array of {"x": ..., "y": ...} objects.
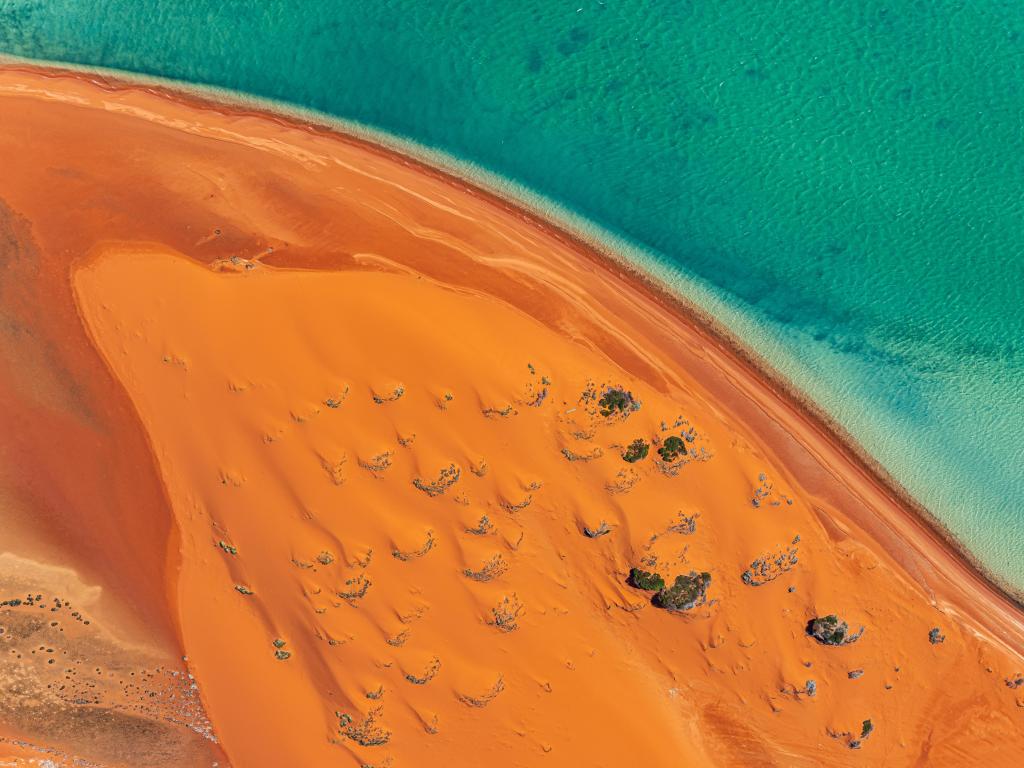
[{"x": 366, "y": 402}]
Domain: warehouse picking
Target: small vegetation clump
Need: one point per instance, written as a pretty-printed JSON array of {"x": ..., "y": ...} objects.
[
  {"x": 432, "y": 669},
  {"x": 935, "y": 636},
  {"x": 484, "y": 527},
  {"x": 636, "y": 451},
  {"x": 685, "y": 524},
  {"x": 336, "y": 402},
  {"x": 231, "y": 550},
  {"x": 616, "y": 401},
  {"x": 406, "y": 556},
  {"x": 672, "y": 448},
  {"x": 483, "y": 700},
  {"x": 279, "y": 652},
  {"x": 509, "y": 506},
  {"x": 398, "y": 640},
  {"x": 335, "y": 470},
  {"x": 395, "y": 394},
  {"x": 508, "y": 410},
  {"x": 687, "y": 592},
  {"x": 242, "y": 589},
  {"x": 866, "y": 729},
  {"x": 538, "y": 400},
  {"x": 357, "y": 588},
  {"x": 448, "y": 477},
  {"x": 623, "y": 482},
  {"x": 378, "y": 463},
  {"x": 652, "y": 582},
  {"x": 601, "y": 530},
  {"x": 325, "y": 558},
  {"x": 505, "y": 615},
  {"x": 570, "y": 455},
  {"x": 368, "y": 732},
  {"x": 770, "y": 566},
  {"x": 831, "y": 630},
  {"x": 492, "y": 569}
]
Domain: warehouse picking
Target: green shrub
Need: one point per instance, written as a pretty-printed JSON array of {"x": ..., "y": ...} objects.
[
  {"x": 671, "y": 448},
  {"x": 652, "y": 582},
  {"x": 687, "y": 592},
  {"x": 616, "y": 400},
  {"x": 831, "y": 630},
  {"x": 636, "y": 451}
]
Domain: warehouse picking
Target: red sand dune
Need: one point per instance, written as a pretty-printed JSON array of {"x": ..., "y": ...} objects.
[{"x": 265, "y": 381}]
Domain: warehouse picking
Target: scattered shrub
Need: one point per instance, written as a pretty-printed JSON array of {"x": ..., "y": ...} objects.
[
  {"x": 685, "y": 524},
  {"x": 617, "y": 400},
  {"x": 366, "y": 733},
  {"x": 652, "y": 582},
  {"x": 484, "y": 699},
  {"x": 378, "y": 463},
  {"x": 770, "y": 566},
  {"x": 432, "y": 669},
  {"x": 492, "y": 569},
  {"x": 831, "y": 630},
  {"x": 506, "y": 614},
  {"x": 636, "y": 451},
  {"x": 448, "y": 477},
  {"x": 510, "y": 506},
  {"x": 484, "y": 527},
  {"x": 395, "y": 394},
  {"x": 325, "y": 558},
  {"x": 671, "y": 448},
  {"x": 358, "y": 587},
  {"x": 687, "y": 592},
  {"x": 406, "y": 556},
  {"x": 571, "y": 455}
]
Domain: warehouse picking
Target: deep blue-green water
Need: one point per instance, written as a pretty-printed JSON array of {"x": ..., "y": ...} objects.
[{"x": 840, "y": 182}]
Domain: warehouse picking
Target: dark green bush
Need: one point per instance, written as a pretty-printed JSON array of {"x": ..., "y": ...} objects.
[
  {"x": 636, "y": 451},
  {"x": 617, "y": 400},
  {"x": 652, "y": 582},
  {"x": 687, "y": 592},
  {"x": 831, "y": 630},
  {"x": 671, "y": 448}
]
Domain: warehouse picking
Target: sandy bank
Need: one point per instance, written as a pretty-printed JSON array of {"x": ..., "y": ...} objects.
[{"x": 236, "y": 272}]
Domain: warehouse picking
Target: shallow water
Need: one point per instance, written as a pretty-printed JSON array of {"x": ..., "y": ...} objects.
[{"x": 839, "y": 182}]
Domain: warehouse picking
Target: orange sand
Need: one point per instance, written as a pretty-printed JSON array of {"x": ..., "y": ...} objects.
[{"x": 203, "y": 280}]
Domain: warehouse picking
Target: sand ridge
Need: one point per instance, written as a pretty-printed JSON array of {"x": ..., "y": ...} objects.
[{"x": 317, "y": 338}]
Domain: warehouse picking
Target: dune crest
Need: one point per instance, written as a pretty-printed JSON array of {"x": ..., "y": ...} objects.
[{"x": 443, "y": 489}]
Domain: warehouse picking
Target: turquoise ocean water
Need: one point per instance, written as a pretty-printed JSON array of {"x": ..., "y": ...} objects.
[{"x": 842, "y": 183}]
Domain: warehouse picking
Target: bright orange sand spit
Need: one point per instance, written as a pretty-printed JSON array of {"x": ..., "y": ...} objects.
[{"x": 264, "y": 383}]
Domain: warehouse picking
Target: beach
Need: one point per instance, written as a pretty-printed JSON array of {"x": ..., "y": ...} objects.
[{"x": 244, "y": 350}]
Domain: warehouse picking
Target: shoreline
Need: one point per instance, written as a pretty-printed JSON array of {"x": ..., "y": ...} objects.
[{"x": 783, "y": 392}]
